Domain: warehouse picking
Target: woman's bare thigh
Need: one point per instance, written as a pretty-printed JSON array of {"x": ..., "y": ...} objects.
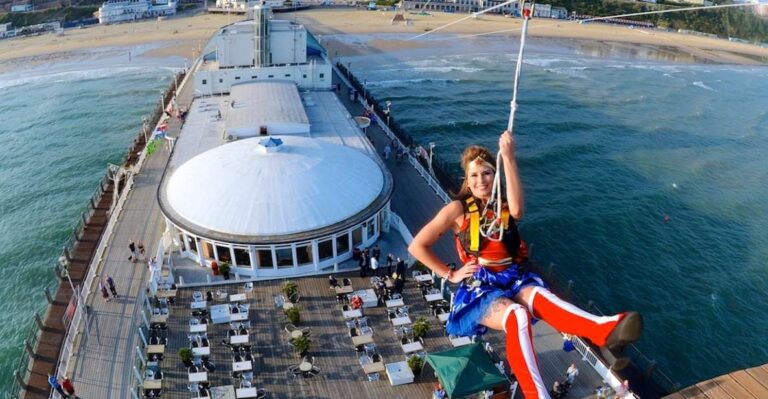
[{"x": 494, "y": 316}]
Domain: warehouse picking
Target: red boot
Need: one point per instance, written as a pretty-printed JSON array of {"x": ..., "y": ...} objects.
[{"x": 520, "y": 353}]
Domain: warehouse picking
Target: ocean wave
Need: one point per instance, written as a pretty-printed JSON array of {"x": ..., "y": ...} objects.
[
  {"x": 407, "y": 82},
  {"x": 79, "y": 75},
  {"x": 701, "y": 84}
]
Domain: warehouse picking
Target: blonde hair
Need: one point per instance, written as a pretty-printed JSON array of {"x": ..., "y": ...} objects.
[{"x": 469, "y": 155}]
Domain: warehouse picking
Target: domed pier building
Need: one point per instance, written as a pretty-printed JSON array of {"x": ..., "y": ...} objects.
[{"x": 271, "y": 173}]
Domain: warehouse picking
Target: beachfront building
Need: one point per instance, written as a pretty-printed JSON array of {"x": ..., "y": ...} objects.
[
  {"x": 261, "y": 49},
  {"x": 242, "y": 5},
  {"x": 276, "y": 180},
  {"x": 114, "y": 11},
  {"x": 458, "y": 6}
]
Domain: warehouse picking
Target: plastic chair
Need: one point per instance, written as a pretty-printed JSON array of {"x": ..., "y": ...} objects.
[
  {"x": 346, "y": 282},
  {"x": 373, "y": 377},
  {"x": 261, "y": 393}
]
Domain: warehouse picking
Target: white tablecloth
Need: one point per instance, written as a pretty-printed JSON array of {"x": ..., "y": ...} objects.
[{"x": 399, "y": 373}]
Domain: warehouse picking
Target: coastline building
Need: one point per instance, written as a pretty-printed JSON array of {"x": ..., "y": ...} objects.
[
  {"x": 113, "y": 11},
  {"x": 246, "y": 5},
  {"x": 270, "y": 173}
]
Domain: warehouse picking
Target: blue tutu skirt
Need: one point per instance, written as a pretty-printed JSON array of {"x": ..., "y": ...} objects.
[{"x": 471, "y": 301}]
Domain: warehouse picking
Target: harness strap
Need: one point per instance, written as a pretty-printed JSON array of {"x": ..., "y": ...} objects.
[{"x": 474, "y": 224}]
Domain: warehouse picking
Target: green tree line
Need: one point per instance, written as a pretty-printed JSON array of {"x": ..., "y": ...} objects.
[
  {"x": 19, "y": 19},
  {"x": 741, "y": 23}
]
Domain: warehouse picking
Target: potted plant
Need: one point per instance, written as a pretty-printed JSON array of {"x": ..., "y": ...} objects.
[
  {"x": 224, "y": 269},
  {"x": 289, "y": 289},
  {"x": 185, "y": 354},
  {"x": 293, "y": 315},
  {"x": 301, "y": 345},
  {"x": 420, "y": 327},
  {"x": 416, "y": 363}
]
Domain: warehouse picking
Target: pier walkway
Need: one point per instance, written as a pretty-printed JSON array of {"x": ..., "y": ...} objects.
[{"x": 105, "y": 356}]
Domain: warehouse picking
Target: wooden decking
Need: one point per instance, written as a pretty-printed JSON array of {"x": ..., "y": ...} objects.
[
  {"x": 341, "y": 375},
  {"x": 742, "y": 384}
]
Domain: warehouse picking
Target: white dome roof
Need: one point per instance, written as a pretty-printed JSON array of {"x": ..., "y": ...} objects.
[{"x": 308, "y": 184}]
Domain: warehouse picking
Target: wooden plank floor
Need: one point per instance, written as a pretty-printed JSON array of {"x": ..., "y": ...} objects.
[
  {"x": 742, "y": 384},
  {"x": 341, "y": 375}
]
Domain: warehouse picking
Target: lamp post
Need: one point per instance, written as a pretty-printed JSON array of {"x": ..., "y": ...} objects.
[
  {"x": 386, "y": 111},
  {"x": 431, "y": 150}
]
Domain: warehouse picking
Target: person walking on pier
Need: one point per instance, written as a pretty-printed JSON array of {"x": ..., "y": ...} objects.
[
  {"x": 68, "y": 387},
  {"x": 390, "y": 262},
  {"x": 103, "y": 290},
  {"x": 134, "y": 254},
  {"x": 111, "y": 284},
  {"x": 501, "y": 294},
  {"x": 54, "y": 383}
]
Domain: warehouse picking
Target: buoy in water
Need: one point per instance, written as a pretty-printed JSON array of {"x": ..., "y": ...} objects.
[{"x": 666, "y": 218}]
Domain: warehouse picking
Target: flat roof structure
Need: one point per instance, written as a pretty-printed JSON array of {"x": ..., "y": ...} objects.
[{"x": 270, "y": 107}]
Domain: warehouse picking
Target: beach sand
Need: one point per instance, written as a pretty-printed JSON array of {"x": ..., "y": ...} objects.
[
  {"x": 334, "y": 22},
  {"x": 184, "y": 35}
]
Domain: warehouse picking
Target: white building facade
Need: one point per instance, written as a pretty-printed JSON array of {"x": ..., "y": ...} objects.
[{"x": 114, "y": 11}]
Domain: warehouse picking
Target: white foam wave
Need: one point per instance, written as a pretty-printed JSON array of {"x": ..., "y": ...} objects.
[
  {"x": 701, "y": 84},
  {"x": 76, "y": 75},
  {"x": 407, "y": 82},
  {"x": 447, "y": 69}
]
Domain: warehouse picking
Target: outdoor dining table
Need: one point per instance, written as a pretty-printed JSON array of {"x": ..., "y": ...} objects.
[
  {"x": 220, "y": 314},
  {"x": 166, "y": 294},
  {"x": 460, "y": 341},
  {"x": 198, "y": 377},
  {"x": 198, "y": 328},
  {"x": 158, "y": 319},
  {"x": 238, "y": 339},
  {"x": 202, "y": 351},
  {"x": 412, "y": 347},
  {"x": 305, "y": 366},
  {"x": 242, "y": 366},
  {"x": 238, "y": 316},
  {"x": 155, "y": 349},
  {"x": 377, "y": 367},
  {"x": 401, "y": 321},
  {"x": 296, "y": 334},
  {"x": 433, "y": 297},
  {"x": 362, "y": 339},
  {"x": 368, "y": 296},
  {"x": 198, "y": 305},
  {"x": 399, "y": 373},
  {"x": 443, "y": 317},
  {"x": 245, "y": 393},
  {"x": 395, "y": 303},
  {"x": 237, "y": 297},
  {"x": 223, "y": 392},
  {"x": 152, "y": 384},
  {"x": 353, "y": 314},
  {"x": 423, "y": 278},
  {"x": 347, "y": 289}
]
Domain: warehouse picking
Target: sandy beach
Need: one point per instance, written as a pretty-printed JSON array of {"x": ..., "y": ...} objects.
[{"x": 184, "y": 35}]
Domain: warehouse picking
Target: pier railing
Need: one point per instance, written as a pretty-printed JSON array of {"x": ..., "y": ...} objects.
[{"x": 441, "y": 177}]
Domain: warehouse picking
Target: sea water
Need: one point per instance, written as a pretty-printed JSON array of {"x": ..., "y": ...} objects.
[
  {"x": 60, "y": 126},
  {"x": 610, "y": 144}
]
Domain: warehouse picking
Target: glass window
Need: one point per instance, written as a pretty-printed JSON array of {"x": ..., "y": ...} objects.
[
  {"x": 322, "y": 75},
  {"x": 191, "y": 244},
  {"x": 221, "y": 80},
  {"x": 304, "y": 254},
  {"x": 264, "y": 257},
  {"x": 284, "y": 257},
  {"x": 357, "y": 236},
  {"x": 205, "y": 81},
  {"x": 342, "y": 244},
  {"x": 287, "y": 75},
  {"x": 242, "y": 258},
  {"x": 237, "y": 78},
  {"x": 325, "y": 248},
  {"x": 371, "y": 228},
  {"x": 207, "y": 250},
  {"x": 224, "y": 254}
]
